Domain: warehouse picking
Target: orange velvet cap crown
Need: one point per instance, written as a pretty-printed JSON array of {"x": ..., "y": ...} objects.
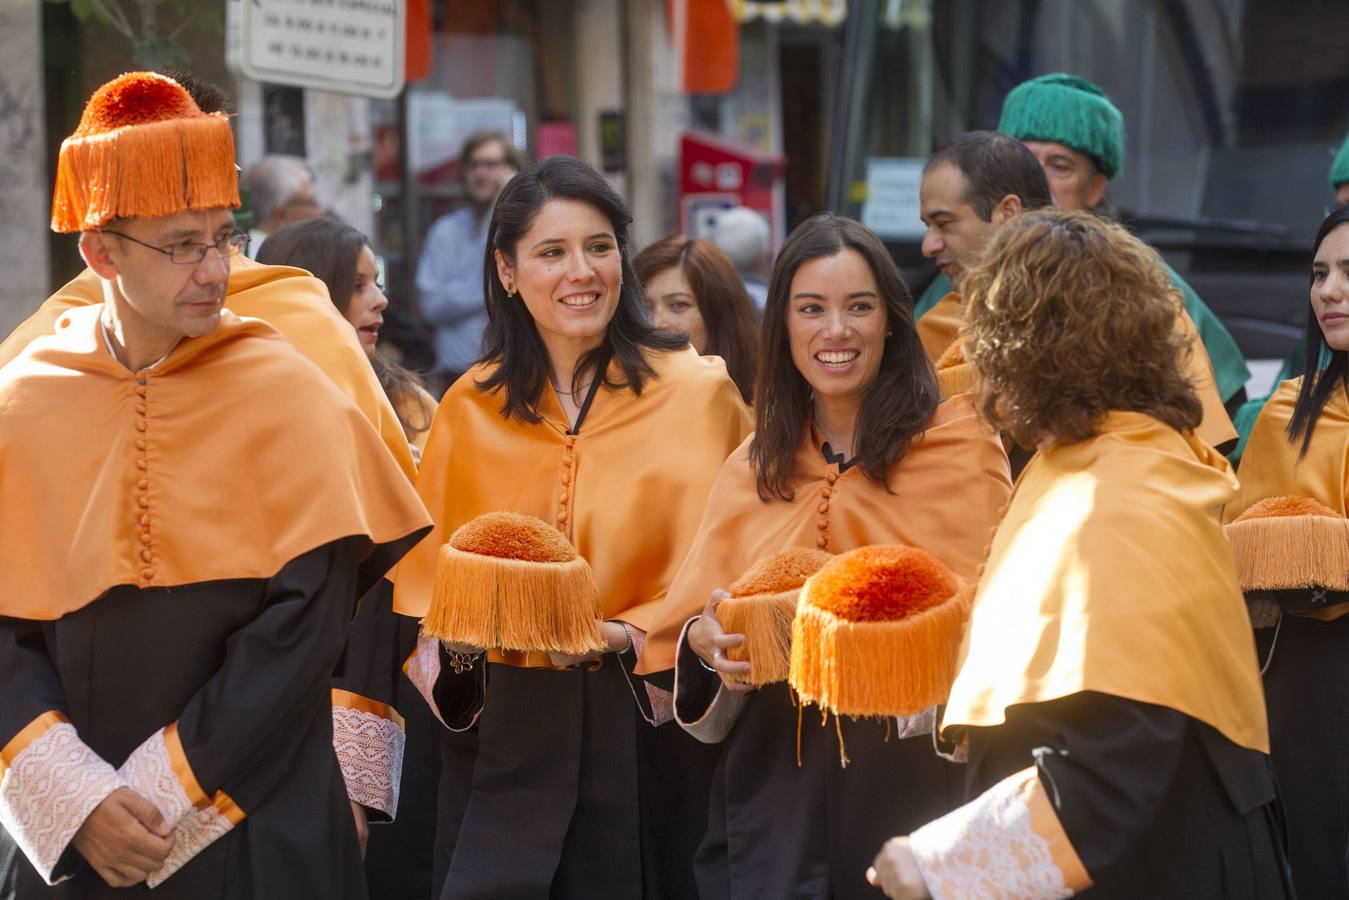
[
  {"x": 143, "y": 148},
  {"x": 877, "y": 632}
]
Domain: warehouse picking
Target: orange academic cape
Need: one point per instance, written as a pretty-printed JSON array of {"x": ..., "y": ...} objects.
[
  {"x": 290, "y": 300},
  {"x": 1111, "y": 573},
  {"x": 628, "y": 490},
  {"x": 112, "y": 479},
  {"x": 943, "y": 496},
  {"x": 185, "y": 548},
  {"x": 942, "y": 324},
  {"x": 1270, "y": 466}
]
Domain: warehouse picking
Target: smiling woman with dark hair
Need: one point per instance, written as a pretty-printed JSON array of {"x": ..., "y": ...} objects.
[
  {"x": 851, "y": 447},
  {"x": 584, "y": 415}
]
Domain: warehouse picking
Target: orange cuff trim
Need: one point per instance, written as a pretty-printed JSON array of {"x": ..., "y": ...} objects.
[
  {"x": 225, "y": 805},
  {"x": 363, "y": 704},
  {"x": 182, "y": 769},
  {"x": 1045, "y": 822},
  {"x": 29, "y": 733}
]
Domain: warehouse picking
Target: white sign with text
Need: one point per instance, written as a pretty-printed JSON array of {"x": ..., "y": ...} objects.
[
  {"x": 892, "y": 208},
  {"x": 350, "y": 46}
]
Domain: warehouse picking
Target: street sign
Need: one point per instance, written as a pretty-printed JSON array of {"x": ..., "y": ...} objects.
[{"x": 349, "y": 46}]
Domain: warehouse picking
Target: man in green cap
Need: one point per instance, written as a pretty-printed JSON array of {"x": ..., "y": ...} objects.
[{"x": 1077, "y": 134}]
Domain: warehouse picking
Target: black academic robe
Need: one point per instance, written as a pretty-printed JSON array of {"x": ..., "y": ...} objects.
[
  {"x": 553, "y": 786},
  {"x": 1156, "y": 804},
  {"x": 1307, "y": 696},
  {"x": 809, "y": 830},
  {"x": 245, "y": 667}
]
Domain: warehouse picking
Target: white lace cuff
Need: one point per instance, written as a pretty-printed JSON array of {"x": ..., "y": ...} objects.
[
  {"x": 916, "y": 724},
  {"x": 50, "y": 782},
  {"x": 423, "y": 669},
  {"x": 1006, "y": 844},
  {"x": 721, "y": 714},
  {"x": 158, "y": 770},
  {"x": 195, "y": 832},
  {"x": 149, "y": 772},
  {"x": 368, "y": 737}
]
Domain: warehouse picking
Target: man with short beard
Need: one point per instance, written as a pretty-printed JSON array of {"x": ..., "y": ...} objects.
[
  {"x": 1077, "y": 135},
  {"x": 971, "y": 188}
]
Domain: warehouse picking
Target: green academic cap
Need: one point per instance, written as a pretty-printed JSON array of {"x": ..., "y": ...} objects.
[
  {"x": 1339, "y": 169},
  {"x": 1071, "y": 111}
]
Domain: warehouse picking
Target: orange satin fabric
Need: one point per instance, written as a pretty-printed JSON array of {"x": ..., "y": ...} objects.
[
  {"x": 939, "y": 327},
  {"x": 293, "y": 302},
  {"x": 1111, "y": 573},
  {"x": 1270, "y": 466},
  {"x": 234, "y": 457},
  {"x": 627, "y": 491},
  {"x": 944, "y": 496}
]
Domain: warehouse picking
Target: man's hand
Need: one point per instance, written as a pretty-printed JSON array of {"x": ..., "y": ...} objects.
[
  {"x": 896, "y": 872},
  {"x": 362, "y": 825},
  {"x": 707, "y": 639},
  {"x": 125, "y": 838}
]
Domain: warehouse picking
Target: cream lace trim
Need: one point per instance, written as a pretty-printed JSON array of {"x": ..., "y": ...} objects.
[
  {"x": 988, "y": 848},
  {"x": 916, "y": 724},
  {"x": 192, "y": 834},
  {"x": 48, "y": 792},
  {"x": 148, "y": 772},
  {"x": 370, "y": 752},
  {"x": 423, "y": 668}
]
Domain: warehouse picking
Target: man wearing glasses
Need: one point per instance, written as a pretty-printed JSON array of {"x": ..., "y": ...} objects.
[
  {"x": 192, "y": 512},
  {"x": 449, "y": 273}
]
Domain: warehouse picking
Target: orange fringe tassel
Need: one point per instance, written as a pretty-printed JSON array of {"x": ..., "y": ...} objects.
[
  {"x": 766, "y": 623},
  {"x": 881, "y": 668},
  {"x": 499, "y": 603},
  {"x": 146, "y": 170},
  {"x": 1274, "y": 553}
]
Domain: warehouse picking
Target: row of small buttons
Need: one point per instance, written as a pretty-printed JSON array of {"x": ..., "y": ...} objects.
[
  {"x": 822, "y": 524},
  {"x": 564, "y": 495},
  {"x": 143, "y": 482}
]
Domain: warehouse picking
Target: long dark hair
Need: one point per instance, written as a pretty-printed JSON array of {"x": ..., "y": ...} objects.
[
  {"x": 731, "y": 319},
  {"x": 898, "y": 405},
  {"x": 511, "y": 339},
  {"x": 328, "y": 249},
  {"x": 1318, "y": 383}
]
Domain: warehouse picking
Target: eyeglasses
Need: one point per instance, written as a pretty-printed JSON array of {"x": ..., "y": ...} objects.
[{"x": 189, "y": 253}]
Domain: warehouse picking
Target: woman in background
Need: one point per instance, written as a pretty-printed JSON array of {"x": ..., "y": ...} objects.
[
  {"x": 692, "y": 286},
  {"x": 398, "y": 855},
  {"x": 341, "y": 257}
]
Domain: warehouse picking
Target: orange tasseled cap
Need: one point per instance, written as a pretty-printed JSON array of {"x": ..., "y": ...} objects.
[
  {"x": 514, "y": 582},
  {"x": 1290, "y": 542},
  {"x": 143, "y": 148},
  {"x": 877, "y": 632}
]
